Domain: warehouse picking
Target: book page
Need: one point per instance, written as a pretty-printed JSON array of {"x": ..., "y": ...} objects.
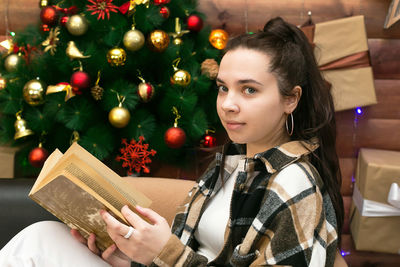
[
  {"x": 125, "y": 188},
  {"x": 74, "y": 206},
  {"x": 50, "y": 162}
]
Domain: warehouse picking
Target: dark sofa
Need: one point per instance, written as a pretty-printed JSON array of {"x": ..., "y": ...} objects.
[{"x": 17, "y": 210}]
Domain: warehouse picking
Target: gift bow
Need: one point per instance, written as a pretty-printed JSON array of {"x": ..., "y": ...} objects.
[{"x": 370, "y": 208}]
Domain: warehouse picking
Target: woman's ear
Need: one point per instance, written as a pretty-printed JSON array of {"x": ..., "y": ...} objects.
[{"x": 292, "y": 100}]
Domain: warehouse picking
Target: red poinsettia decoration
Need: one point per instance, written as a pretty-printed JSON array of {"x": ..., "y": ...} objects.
[
  {"x": 135, "y": 155},
  {"x": 102, "y": 7}
]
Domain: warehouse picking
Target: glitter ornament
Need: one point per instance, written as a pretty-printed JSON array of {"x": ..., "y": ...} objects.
[
  {"x": 116, "y": 57},
  {"x": 218, "y": 38},
  {"x": 158, "y": 41},
  {"x": 164, "y": 11}
]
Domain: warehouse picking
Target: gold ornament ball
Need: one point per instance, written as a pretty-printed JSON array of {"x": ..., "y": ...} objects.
[
  {"x": 181, "y": 77},
  {"x": 177, "y": 41},
  {"x": 158, "y": 40},
  {"x": 43, "y": 3},
  {"x": 33, "y": 92},
  {"x": 119, "y": 117},
  {"x": 77, "y": 25},
  {"x": 133, "y": 40},
  {"x": 218, "y": 38},
  {"x": 12, "y": 62},
  {"x": 3, "y": 83},
  {"x": 116, "y": 57}
]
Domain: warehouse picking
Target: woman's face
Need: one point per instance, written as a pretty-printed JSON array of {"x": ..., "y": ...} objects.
[{"x": 249, "y": 103}]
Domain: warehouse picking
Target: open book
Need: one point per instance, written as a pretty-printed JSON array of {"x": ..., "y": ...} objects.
[{"x": 74, "y": 187}]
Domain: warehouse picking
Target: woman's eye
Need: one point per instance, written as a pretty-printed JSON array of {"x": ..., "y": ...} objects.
[
  {"x": 222, "y": 88},
  {"x": 249, "y": 90}
]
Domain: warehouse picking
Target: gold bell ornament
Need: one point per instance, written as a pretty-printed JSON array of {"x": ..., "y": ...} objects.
[
  {"x": 218, "y": 38},
  {"x": 119, "y": 116},
  {"x": 133, "y": 39},
  {"x": 158, "y": 41},
  {"x": 116, "y": 57},
  {"x": 178, "y": 33},
  {"x": 77, "y": 25},
  {"x": 21, "y": 128},
  {"x": 12, "y": 62},
  {"x": 180, "y": 77},
  {"x": 33, "y": 92}
]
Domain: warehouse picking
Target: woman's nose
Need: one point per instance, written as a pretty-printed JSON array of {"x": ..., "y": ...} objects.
[{"x": 229, "y": 103}]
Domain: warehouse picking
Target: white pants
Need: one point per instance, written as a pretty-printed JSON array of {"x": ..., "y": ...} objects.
[{"x": 45, "y": 244}]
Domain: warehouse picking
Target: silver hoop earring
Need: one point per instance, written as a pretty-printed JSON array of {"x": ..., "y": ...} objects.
[{"x": 292, "y": 124}]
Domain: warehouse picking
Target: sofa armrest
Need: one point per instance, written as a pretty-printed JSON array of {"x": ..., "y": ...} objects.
[{"x": 166, "y": 194}]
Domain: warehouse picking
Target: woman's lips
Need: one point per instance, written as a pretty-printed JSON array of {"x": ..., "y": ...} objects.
[{"x": 234, "y": 125}]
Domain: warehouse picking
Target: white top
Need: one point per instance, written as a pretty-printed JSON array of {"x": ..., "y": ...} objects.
[{"x": 211, "y": 229}]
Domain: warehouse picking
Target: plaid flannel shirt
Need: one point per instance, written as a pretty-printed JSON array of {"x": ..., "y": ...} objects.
[{"x": 280, "y": 213}]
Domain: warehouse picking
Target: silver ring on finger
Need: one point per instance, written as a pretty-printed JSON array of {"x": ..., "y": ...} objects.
[{"x": 130, "y": 232}]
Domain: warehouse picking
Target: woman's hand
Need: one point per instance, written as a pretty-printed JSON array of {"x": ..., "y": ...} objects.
[
  {"x": 111, "y": 255},
  {"x": 147, "y": 239}
]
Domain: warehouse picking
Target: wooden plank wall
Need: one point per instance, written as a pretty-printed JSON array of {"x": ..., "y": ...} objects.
[{"x": 378, "y": 126}]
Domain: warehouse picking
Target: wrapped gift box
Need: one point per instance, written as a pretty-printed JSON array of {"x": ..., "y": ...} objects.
[
  {"x": 375, "y": 221},
  {"x": 7, "y": 155},
  {"x": 341, "y": 50}
]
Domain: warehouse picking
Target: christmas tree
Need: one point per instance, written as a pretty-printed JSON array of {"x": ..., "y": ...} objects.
[{"x": 101, "y": 72}]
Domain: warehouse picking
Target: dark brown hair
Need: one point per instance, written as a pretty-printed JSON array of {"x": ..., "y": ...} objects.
[{"x": 293, "y": 63}]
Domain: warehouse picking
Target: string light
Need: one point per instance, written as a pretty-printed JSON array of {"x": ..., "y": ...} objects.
[{"x": 359, "y": 111}]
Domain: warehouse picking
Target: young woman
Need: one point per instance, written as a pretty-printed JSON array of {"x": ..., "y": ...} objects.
[{"x": 272, "y": 196}]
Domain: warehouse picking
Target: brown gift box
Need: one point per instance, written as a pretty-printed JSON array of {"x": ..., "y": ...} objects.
[
  {"x": 341, "y": 50},
  {"x": 7, "y": 155},
  {"x": 376, "y": 171}
]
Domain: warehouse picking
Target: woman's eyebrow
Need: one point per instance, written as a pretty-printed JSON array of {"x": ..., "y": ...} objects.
[
  {"x": 241, "y": 81},
  {"x": 248, "y": 81}
]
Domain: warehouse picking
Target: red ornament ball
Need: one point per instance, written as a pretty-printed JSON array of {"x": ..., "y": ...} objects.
[
  {"x": 194, "y": 23},
  {"x": 209, "y": 141},
  {"x": 49, "y": 16},
  {"x": 164, "y": 11},
  {"x": 161, "y": 2},
  {"x": 175, "y": 137},
  {"x": 38, "y": 156},
  {"x": 64, "y": 20},
  {"x": 80, "y": 80}
]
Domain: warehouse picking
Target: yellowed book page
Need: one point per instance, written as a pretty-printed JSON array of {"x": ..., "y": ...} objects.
[
  {"x": 125, "y": 188},
  {"x": 50, "y": 162},
  {"x": 82, "y": 172},
  {"x": 76, "y": 207}
]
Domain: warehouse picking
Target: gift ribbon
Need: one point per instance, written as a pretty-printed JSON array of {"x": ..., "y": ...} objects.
[
  {"x": 357, "y": 60},
  {"x": 370, "y": 208}
]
